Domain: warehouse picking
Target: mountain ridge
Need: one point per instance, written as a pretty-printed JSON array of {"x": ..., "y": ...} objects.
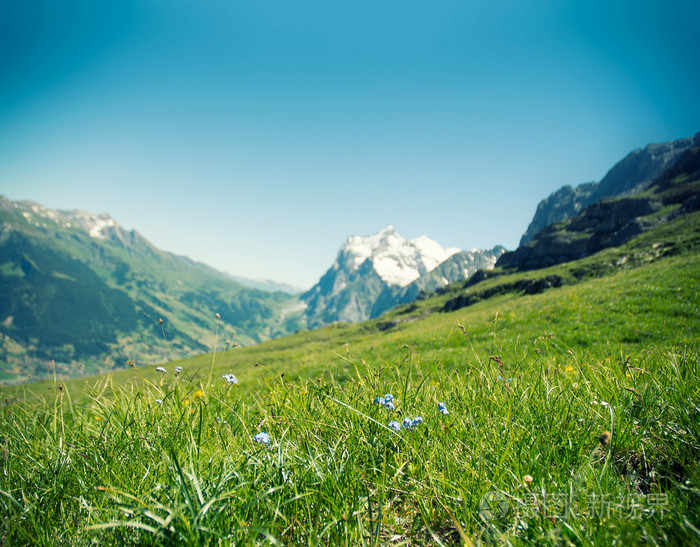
[
  {"x": 633, "y": 173},
  {"x": 613, "y": 221},
  {"x": 78, "y": 289}
]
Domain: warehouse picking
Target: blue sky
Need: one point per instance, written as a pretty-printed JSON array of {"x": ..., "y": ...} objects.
[{"x": 256, "y": 136}]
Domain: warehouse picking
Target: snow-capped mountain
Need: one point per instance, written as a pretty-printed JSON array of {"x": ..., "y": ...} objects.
[
  {"x": 396, "y": 260},
  {"x": 375, "y": 273}
]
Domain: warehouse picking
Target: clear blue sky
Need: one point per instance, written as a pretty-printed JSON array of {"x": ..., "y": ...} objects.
[{"x": 255, "y": 136}]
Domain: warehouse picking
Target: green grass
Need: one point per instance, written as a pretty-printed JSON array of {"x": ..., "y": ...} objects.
[{"x": 531, "y": 383}]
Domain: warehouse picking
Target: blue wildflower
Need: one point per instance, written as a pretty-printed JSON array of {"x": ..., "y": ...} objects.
[
  {"x": 230, "y": 378},
  {"x": 442, "y": 408},
  {"x": 159, "y": 401},
  {"x": 262, "y": 438},
  {"x": 386, "y": 401},
  {"x": 161, "y": 370},
  {"x": 396, "y": 426},
  {"x": 409, "y": 423},
  {"x": 178, "y": 369}
]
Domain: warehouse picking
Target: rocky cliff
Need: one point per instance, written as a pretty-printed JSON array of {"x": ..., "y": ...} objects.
[
  {"x": 632, "y": 174},
  {"x": 614, "y": 221}
]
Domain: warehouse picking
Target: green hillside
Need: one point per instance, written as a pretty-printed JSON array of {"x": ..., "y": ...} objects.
[
  {"x": 89, "y": 304},
  {"x": 573, "y": 407}
]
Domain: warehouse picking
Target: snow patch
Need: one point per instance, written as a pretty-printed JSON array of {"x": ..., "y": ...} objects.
[
  {"x": 99, "y": 225},
  {"x": 94, "y": 224}
]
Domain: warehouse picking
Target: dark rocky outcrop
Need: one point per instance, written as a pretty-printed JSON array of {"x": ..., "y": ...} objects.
[{"x": 524, "y": 286}]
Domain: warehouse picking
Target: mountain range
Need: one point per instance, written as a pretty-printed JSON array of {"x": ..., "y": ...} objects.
[
  {"x": 613, "y": 221},
  {"x": 79, "y": 292}
]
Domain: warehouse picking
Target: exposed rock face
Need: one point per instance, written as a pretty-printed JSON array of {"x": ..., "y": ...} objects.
[
  {"x": 603, "y": 224},
  {"x": 613, "y": 221},
  {"x": 564, "y": 203},
  {"x": 458, "y": 267},
  {"x": 631, "y": 175}
]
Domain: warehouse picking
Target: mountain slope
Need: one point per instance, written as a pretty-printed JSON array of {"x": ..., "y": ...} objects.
[
  {"x": 633, "y": 173},
  {"x": 79, "y": 289},
  {"x": 614, "y": 221}
]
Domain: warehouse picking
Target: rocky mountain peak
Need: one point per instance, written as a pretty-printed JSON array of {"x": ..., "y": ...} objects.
[
  {"x": 375, "y": 273},
  {"x": 396, "y": 260}
]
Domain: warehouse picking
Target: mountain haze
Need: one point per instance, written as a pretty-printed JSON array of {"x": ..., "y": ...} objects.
[{"x": 80, "y": 291}]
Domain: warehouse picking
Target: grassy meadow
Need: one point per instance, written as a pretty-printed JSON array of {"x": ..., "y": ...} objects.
[{"x": 571, "y": 416}]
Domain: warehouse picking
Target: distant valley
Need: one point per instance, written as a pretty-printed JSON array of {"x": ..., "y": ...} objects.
[{"x": 79, "y": 291}]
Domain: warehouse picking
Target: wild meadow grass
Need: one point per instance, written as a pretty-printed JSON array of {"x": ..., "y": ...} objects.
[{"x": 570, "y": 417}]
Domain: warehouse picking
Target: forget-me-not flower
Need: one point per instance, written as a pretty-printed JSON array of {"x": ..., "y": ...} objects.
[
  {"x": 442, "y": 408},
  {"x": 262, "y": 438},
  {"x": 161, "y": 370},
  {"x": 386, "y": 401},
  {"x": 409, "y": 423},
  {"x": 396, "y": 426},
  {"x": 230, "y": 378}
]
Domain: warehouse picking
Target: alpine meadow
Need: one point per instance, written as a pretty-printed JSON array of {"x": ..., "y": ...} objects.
[{"x": 549, "y": 406}]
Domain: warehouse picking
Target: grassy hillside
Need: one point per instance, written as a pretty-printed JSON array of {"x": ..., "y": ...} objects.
[
  {"x": 572, "y": 399},
  {"x": 89, "y": 304}
]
